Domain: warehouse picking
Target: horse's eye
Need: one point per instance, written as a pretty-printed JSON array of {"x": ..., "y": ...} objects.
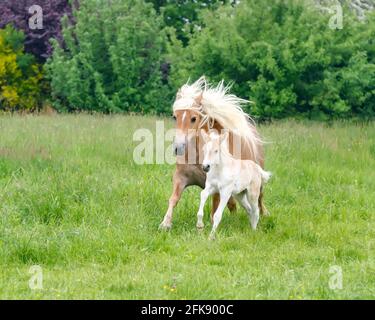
[
  {"x": 174, "y": 118},
  {"x": 193, "y": 119}
]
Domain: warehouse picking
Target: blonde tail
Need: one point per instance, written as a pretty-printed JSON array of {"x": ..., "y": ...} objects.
[{"x": 266, "y": 175}]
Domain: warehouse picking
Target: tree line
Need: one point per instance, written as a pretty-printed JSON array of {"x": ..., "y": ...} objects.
[{"x": 290, "y": 57}]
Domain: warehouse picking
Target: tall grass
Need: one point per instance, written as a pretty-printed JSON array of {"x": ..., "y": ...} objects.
[{"x": 73, "y": 201}]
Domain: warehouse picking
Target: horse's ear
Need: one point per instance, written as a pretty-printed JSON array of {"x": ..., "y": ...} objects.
[
  {"x": 178, "y": 95},
  {"x": 204, "y": 135},
  {"x": 198, "y": 99}
]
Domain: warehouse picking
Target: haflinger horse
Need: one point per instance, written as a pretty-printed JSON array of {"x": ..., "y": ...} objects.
[
  {"x": 242, "y": 179},
  {"x": 200, "y": 106}
]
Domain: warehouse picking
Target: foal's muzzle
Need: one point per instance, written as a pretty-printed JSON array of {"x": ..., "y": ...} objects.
[
  {"x": 179, "y": 149},
  {"x": 206, "y": 167}
]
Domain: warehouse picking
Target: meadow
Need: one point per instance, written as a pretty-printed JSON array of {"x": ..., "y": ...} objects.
[{"x": 73, "y": 202}]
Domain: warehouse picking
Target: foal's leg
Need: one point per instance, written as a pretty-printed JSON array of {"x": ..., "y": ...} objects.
[
  {"x": 204, "y": 195},
  {"x": 253, "y": 202},
  {"x": 224, "y": 197},
  {"x": 242, "y": 198},
  {"x": 215, "y": 202},
  {"x": 179, "y": 185}
]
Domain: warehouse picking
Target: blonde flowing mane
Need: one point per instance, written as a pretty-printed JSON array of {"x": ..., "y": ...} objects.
[{"x": 216, "y": 104}]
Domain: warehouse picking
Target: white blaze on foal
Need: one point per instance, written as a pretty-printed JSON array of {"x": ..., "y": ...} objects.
[{"x": 228, "y": 176}]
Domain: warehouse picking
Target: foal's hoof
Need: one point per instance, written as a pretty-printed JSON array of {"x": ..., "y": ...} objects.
[
  {"x": 212, "y": 237},
  {"x": 165, "y": 226},
  {"x": 254, "y": 225},
  {"x": 200, "y": 226}
]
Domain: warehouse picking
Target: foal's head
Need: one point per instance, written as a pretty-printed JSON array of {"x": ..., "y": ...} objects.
[
  {"x": 187, "y": 118},
  {"x": 215, "y": 146}
]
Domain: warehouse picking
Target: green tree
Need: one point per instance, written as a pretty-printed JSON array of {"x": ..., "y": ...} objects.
[
  {"x": 184, "y": 15},
  {"x": 282, "y": 55},
  {"x": 20, "y": 76},
  {"x": 112, "y": 59}
]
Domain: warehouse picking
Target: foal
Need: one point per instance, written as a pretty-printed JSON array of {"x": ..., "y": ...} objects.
[{"x": 228, "y": 176}]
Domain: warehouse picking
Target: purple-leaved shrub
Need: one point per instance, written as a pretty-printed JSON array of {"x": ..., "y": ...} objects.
[{"x": 37, "y": 41}]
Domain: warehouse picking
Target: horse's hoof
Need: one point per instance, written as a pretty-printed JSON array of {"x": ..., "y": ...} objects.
[
  {"x": 165, "y": 227},
  {"x": 266, "y": 213}
]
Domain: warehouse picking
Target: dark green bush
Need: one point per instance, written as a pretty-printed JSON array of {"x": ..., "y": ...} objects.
[
  {"x": 21, "y": 79},
  {"x": 112, "y": 61},
  {"x": 282, "y": 55}
]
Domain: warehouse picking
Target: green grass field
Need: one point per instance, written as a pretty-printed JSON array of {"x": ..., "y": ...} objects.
[{"x": 73, "y": 202}]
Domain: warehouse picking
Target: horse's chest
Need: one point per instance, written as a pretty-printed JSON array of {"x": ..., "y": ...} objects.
[{"x": 194, "y": 175}]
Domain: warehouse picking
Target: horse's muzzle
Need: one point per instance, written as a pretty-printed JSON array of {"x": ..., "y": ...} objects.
[{"x": 179, "y": 149}]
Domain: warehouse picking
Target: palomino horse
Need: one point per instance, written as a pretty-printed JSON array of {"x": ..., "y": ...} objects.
[{"x": 201, "y": 107}]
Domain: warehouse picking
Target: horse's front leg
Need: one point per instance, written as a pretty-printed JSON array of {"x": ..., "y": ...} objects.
[
  {"x": 215, "y": 204},
  {"x": 224, "y": 197},
  {"x": 179, "y": 185},
  {"x": 205, "y": 193}
]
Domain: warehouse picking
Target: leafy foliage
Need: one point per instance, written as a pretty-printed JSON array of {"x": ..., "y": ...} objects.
[
  {"x": 37, "y": 41},
  {"x": 112, "y": 61},
  {"x": 184, "y": 15},
  {"x": 132, "y": 55},
  {"x": 20, "y": 76},
  {"x": 285, "y": 58}
]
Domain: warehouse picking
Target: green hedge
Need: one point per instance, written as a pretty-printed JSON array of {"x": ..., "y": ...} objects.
[
  {"x": 282, "y": 55},
  {"x": 119, "y": 56},
  {"x": 112, "y": 59}
]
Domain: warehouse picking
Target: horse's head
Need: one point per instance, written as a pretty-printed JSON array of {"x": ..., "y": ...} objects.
[{"x": 187, "y": 125}]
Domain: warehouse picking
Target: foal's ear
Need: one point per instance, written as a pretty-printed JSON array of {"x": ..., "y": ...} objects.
[
  {"x": 205, "y": 136},
  {"x": 224, "y": 137}
]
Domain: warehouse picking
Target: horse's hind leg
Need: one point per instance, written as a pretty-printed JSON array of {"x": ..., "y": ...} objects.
[
  {"x": 262, "y": 207},
  {"x": 231, "y": 205},
  {"x": 215, "y": 202}
]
